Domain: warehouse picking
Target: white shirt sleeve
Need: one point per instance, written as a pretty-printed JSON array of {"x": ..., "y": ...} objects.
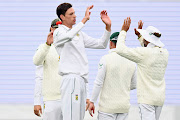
[
  {"x": 134, "y": 80},
  {"x": 61, "y": 36},
  {"x": 101, "y": 43},
  {"x": 38, "y": 85},
  {"x": 87, "y": 91},
  {"x": 98, "y": 83}
]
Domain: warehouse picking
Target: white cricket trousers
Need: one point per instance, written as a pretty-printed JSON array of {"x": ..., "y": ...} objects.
[
  {"x": 73, "y": 96},
  {"x": 149, "y": 112},
  {"x": 109, "y": 116},
  {"x": 52, "y": 110}
]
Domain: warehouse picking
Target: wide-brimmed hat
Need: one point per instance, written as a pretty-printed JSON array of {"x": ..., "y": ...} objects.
[{"x": 149, "y": 35}]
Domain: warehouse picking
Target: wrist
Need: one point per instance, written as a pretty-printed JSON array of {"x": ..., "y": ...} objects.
[
  {"x": 139, "y": 36},
  {"x": 84, "y": 20},
  {"x": 108, "y": 27}
]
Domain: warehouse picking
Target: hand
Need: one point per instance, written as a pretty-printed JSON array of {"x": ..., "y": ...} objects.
[
  {"x": 91, "y": 108},
  {"x": 37, "y": 109},
  {"x": 87, "y": 14},
  {"x": 140, "y": 25},
  {"x": 126, "y": 25},
  {"x": 106, "y": 20},
  {"x": 50, "y": 38},
  {"x": 87, "y": 104}
]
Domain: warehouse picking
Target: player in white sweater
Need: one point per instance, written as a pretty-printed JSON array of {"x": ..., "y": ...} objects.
[
  {"x": 152, "y": 60},
  {"x": 70, "y": 43},
  {"x": 47, "y": 78},
  {"x": 115, "y": 78}
]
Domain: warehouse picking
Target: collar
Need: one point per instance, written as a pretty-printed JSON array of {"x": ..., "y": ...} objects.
[
  {"x": 65, "y": 27},
  {"x": 112, "y": 50}
]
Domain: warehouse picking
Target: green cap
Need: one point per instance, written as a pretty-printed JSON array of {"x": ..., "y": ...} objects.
[
  {"x": 114, "y": 36},
  {"x": 55, "y": 23}
]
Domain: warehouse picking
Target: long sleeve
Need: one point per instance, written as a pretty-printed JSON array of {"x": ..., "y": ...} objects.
[
  {"x": 97, "y": 43},
  {"x": 62, "y": 36},
  {"x": 87, "y": 91},
  {"x": 98, "y": 83},
  {"x": 134, "y": 80},
  {"x": 133, "y": 54},
  {"x": 38, "y": 85},
  {"x": 40, "y": 54}
]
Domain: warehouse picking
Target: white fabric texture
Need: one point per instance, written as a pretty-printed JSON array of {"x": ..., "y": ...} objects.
[
  {"x": 52, "y": 110},
  {"x": 70, "y": 45},
  {"x": 73, "y": 92},
  {"x": 149, "y": 112},
  {"x": 115, "y": 82},
  {"x": 48, "y": 57},
  {"x": 115, "y": 116},
  {"x": 38, "y": 85},
  {"x": 151, "y": 67}
]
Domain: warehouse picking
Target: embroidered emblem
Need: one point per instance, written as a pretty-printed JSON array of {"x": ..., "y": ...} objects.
[
  {"x": 100, "y": 66},
  {"x": 150, "y": 33},
  {"x": 76, "y": 97},
  {"x": 59, "y": 58},
  {"x": 44, "y": 106}
]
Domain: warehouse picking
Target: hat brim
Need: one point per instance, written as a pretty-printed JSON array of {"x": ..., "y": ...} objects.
[
  {"x": 152, "y": 39},
  {"x": 55, "y": 26}
]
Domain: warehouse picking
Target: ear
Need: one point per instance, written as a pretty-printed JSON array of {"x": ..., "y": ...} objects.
[
  {"x": 51, "y": 28},
  {"x": 110, "y": 43},
  {"x": 62, "y": 17}
]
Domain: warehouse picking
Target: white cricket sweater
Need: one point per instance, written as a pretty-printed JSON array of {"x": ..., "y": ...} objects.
[
  {"x": 115, "y": 93},
  {"x": 49, "y": 58},
  {"x": 151, "y": 66}
]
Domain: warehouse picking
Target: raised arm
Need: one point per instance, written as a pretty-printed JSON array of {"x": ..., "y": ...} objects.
[
  {"x": 42, "y": 51},
  {"x": 63, "y": 35},
  {"x": 103, "y": 41},
  {"x": 133, "y": 54},
  {"x": 140, "y": 38}
]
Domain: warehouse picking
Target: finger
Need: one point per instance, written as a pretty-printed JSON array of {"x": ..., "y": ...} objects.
[
  {"x": 135, "y": 29},
  {"x": 41, "y": 111},
  {"x": 90, "y": 112},
  {"x": 89, "y": 13},
  {"x": 36, "y": 113},
  {"x": 90, "y": 7}
]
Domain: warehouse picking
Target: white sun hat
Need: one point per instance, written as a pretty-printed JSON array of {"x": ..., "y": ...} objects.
[{"x": 149, "y": 36}]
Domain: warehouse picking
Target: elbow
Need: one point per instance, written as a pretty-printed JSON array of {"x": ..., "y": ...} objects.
[{"x": 36, "y": 62}]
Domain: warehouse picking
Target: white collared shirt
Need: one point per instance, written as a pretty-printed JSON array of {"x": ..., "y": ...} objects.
[{"x": 70, "y": 45}]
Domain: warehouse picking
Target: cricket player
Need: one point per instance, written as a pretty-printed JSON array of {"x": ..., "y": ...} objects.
[
  {"x": 47, "y": 78},
  {"x": 115, "y": 78},
  {"x": 70, "y": 43},
  {"x": 152, "y": 60}
]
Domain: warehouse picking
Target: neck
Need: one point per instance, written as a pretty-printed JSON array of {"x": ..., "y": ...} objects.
[{"x": 67, "y": 25}]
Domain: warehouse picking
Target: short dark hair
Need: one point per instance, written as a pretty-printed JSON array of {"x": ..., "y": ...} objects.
[{"x": 62, "y": 8}]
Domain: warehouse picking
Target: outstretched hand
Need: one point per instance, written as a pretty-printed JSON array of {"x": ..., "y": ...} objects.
[
  {"x": 140, "y": 25},
  {"x": 87, "y": 14},
  {"x": 126, "y": 24},
  {"x": 105, "y": 18}
]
